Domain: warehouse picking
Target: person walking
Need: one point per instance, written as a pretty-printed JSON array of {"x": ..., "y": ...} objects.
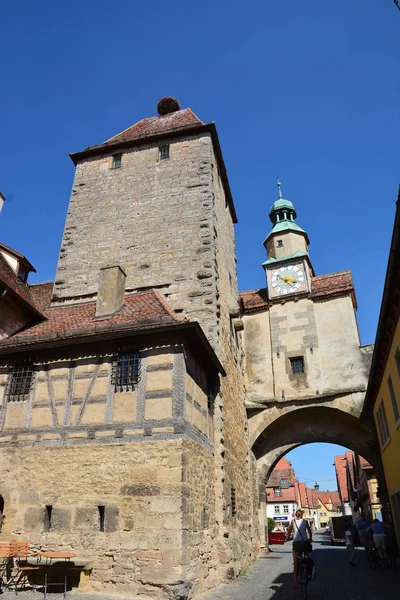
[
  {"x": 378, "y": 535},
  {"x": 348, "y": 536},
  {"x": 302, "y": 537},
  {"x": 362, "y": 524}
]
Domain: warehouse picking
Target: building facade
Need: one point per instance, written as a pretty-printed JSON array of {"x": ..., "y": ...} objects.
[
  {"x": 282, "y": 493},
  {"x": 383, "y": 394},
  {"x": 123, "y": 426}
]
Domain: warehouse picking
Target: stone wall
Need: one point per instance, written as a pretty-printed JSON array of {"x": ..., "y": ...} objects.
[
  {"x": 153, "y": 218},
  {"x": 236, "y": 494},
  {"x": 139, "y": 485},
  {"x": 324, "y": 333}
]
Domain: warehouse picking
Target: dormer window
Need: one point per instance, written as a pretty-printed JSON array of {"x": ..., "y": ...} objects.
[{"x": 22, "y": 274}]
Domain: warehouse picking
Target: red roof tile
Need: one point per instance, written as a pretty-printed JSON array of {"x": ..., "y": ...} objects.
[
  {"x": 41, "y": 294},
  {"x": 10, "y": 279},
  {"x": 303, "y": 496},
  {"x": 322, "y": 286},
  {"x": 180, "y": 119},
  {"x": 286, "y": 495},
  {"x": 140, "y": 311},
  {"x": 340, "y": 466},
  {"x": 334, "y": 283}
]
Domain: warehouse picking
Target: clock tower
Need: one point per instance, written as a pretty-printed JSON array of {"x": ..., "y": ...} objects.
[{"x": 288, "y": 267}]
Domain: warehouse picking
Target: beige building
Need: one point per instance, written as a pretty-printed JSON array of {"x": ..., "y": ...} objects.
[{"x": 123, "y": 427}]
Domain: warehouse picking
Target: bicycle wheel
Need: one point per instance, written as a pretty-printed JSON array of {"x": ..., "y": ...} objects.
[
  {"x": 304, "y": 582},
  {"x": 371, "y": 558}
]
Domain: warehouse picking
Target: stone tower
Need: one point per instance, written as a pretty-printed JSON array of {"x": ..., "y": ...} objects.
[
  {"x": 154, "y": 200},
  {"x": 126, "y": 387}
]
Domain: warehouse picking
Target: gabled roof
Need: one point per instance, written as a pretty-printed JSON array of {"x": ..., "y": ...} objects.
[
  {"x": 322, "y": 286},
  {"x": 140, "y": 311},
  {"x": 303, "y": 495},
  {"x": 41, "y": 294},
  {"x": 181, "y": 119},
  {"x": 20, "y": 257},
  {"x": 340, "y": 466},
  {"x": 163, "y": 127},
  {"x": 286, "y": 495},
  {"x": 12, "y": 282}
]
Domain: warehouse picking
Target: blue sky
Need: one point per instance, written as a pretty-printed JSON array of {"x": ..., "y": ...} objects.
[{"x": 308, "y": 90}]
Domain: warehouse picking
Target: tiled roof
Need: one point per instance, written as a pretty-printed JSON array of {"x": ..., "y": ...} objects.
[
  {"x": 41, "y": 294},
  {"x": 332, "y": 284},
  {"x": 144, "y": 310},
  {"x": 180, "y": 119},
  {"x": 287, "y": 495},
  {"x": 9, "y": 278},
  {"x": 254, "y": 299},
  {"x": 302, "y": 493},
  {"x": 340, "y": 466},
  {"x": 321, "y": 286}
]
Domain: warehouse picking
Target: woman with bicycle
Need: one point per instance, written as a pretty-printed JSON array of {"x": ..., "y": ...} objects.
[{"x": 302, "y": 538}]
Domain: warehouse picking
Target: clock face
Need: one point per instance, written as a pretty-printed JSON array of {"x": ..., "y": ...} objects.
[{"x": 287, "y": 279}]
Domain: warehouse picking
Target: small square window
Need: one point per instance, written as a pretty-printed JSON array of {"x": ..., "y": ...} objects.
[
  {"x": 116, "y": 161},
  {"x": 297, "y": 365},
  {"x": 286, "y": 509},
  {"x": 277, "y": 509},
  {"x": 163, "y": 152},
  {"x": 279, "y": 243},
  {"x": 19, "y": 383},
  {"x": 126, "y": 372}
]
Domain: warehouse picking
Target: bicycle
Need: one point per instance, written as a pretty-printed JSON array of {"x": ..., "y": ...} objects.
[
  {"x": 374, "y": 559},
  {"x": 304, "y": 565}
]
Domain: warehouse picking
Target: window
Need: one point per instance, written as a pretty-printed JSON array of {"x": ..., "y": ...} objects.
[
  {"x": 279, "y": 243},
  {"x": 22, "y": 274},
  {"x": 233, "y": 500},
  {"x": 284, "y": 484},
  {"x": 393, "y": 399},
  {"x": 126, "y": 372},
  {"x": 396, "y": 509},
  {"x": 163, "y": 152},
  {"x": 19, "y": 383},
  {"x": 286, "y": 509},
  {"x": 383, "y": 424},
  {"x": 116, "y": 161},
  {"x": 278, "y": 492},
  {"x": 47, "y": 517},
  {"x": 397, "y": 359},
  {"x": 297, "y": 365},
  {"x": 277, "y": 509},
  {"x": 102, "y": 511}
]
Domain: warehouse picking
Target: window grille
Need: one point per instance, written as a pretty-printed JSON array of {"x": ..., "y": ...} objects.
[
  {"x": 233, "y": 500},
  {"x": 19, "y": 383},
  {"x": 116, "y": 161},
  {"x": 284, "y": 484},
  {"x": 125, "y": 372},
  {"x": 278, "y": 492},
  {"x": 163, "y": 152},
  {"x": 297, "y": 364},
  {"x": 286, "y": 509},
  {"x": 277, "y": 509}
]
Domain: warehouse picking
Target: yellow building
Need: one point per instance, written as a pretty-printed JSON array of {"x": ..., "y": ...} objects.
[{"x": 383, "y": 393}]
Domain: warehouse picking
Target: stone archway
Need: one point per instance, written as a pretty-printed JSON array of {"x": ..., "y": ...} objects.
[{"x": 304, "y": 426}]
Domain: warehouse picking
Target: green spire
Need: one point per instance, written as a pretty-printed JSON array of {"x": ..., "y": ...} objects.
[{"x": 283, "y": 214}]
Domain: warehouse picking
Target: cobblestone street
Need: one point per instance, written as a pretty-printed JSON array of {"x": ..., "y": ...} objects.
[{"x": 271, "y": 577}]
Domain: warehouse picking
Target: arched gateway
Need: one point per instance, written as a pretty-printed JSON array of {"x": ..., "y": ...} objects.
[
  {"x": 306, "y": 371},
  {"x": 126, "y": 421}
]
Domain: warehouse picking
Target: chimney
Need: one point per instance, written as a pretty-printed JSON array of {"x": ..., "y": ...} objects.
[{"x": 111, "y": 291}]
